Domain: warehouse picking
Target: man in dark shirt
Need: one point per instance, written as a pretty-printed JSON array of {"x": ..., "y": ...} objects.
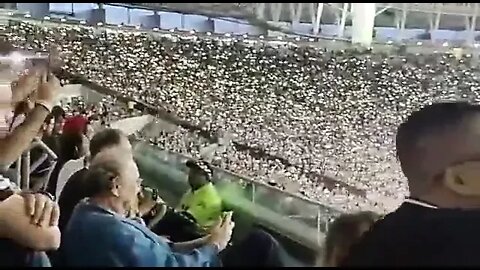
[
  {"x": 74, "y": 191},
  {"x": 439, "y": 151}
]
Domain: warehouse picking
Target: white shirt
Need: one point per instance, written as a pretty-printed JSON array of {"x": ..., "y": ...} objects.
[{"x": 68, "y": 169}]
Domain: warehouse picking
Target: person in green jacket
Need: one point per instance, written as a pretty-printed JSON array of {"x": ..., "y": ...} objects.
[{"x": 202, "y": 201}]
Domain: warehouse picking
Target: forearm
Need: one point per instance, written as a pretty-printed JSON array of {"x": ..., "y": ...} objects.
[
  {"x": 16, "y": 225},
  {"x": 39, "y": 238},
  {"x": 190, "y": 245},
  {"x": 20, "y": 139}
]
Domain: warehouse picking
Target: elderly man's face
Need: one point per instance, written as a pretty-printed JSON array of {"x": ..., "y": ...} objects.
[{"x": 128, "y": 185}]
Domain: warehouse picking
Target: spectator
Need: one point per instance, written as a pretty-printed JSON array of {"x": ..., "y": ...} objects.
[
  {"x": 53, "y": 140},
  {"x": 343, "y": 233},
  {"x": 99, "y": 234},
  {"x": 315, "y": 122},
  {"x": 76, "y": 124},
  {"x": 202, "y": 202},
  {"x": 73, "y": 146},
  {"x": 73, "y": 190},
  {"x": 438, "y": 150}
]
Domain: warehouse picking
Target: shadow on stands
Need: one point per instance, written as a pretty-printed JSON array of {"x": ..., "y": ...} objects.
[{"x": 169, "y": 116}]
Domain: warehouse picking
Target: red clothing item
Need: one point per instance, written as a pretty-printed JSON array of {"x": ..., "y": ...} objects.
[{"x": 75, "y": 124}]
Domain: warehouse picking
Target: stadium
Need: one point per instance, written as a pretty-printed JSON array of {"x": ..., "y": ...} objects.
[{"x": 291, "y": 110}]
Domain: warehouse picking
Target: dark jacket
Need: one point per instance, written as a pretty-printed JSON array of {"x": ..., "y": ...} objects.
[
  {"x": 416, "y": 235},
  {"x": 72, "y": 193}
]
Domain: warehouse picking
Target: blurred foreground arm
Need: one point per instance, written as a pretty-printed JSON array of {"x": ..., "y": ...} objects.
[
  {"x": 36, "y": 229},
  {"x": 15, "y": 143}
]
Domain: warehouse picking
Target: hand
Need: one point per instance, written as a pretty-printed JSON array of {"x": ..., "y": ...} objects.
[
  {"x": 221, "y": 233},
  {"x": 146, "y": 205},
  {"x": 146, "y": 201},
  {"x": 47, "y": 90},
  {"x": 43, "y": 211},
  {"x": 25, "y": 85}
]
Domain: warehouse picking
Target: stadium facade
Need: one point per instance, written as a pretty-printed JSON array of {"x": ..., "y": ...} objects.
[{"x": 434, "y": 23}]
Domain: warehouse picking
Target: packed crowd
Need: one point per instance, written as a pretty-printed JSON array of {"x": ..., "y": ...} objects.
[
  {"x": 104, "y": 216},
  {"x": 99, "y": 196},
  {"x": 333, "y": 113}
]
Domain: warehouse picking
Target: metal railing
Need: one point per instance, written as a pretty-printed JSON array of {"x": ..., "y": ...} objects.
[{"x": 23, "y": 168}]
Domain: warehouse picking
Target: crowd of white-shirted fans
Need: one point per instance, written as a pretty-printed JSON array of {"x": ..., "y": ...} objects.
[{"x": 329, "y": 113}]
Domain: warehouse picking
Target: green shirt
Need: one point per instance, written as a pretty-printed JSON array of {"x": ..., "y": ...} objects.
[{"x": 204, "y": 204}]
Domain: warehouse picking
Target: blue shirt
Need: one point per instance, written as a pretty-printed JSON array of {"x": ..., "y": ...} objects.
[{"x": 95, "y": 236}]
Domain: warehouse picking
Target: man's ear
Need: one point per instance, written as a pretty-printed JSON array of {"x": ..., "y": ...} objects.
[
  {"x": 115, "y": 186},
  {"x": 464, "y": 179}
]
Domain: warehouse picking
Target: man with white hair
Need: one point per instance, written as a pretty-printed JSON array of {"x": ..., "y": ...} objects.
[
  {"x": 100, "y": 233},
  {"x": 71, "y": 186}
]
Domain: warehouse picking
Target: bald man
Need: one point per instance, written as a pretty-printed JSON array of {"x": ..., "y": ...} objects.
[{"x": 439, "y": 151}]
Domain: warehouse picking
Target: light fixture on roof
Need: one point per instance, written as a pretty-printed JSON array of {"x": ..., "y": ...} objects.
[
  {"x": 192, "y": 32},
  {"x": 27, "y": 15},
  {"x": 119, "y": 25},
  {"x": 155, "y": 29},
  {"x": 137, "y": 27},
  {"x": 63, "y": 20},
  {"x": 476, "y": 45},
  {"x": 83, "y": 22},
  {"x": 172, "y": 30},
  {"x": 389, "y": 42},
  {"x": 279, "y": 37},
  {"x": 10, "y": 13},
  {"x": 297, "y": 38},
  {"x": 445, "y": 44},
  {"x": 46, "y": 18},
  {"x": 245, "y": 36},
  {"x": 419, "y": 43},
  {"x": 99, "y": 23},
  {"x": 227, "y": 34},
  {"x": 209, "y": 34},
  {"x": 261, "y": 37},
  {"x": 311, "y": 39}
]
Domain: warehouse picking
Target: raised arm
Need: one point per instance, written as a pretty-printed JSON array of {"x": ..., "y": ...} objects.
[{"x": 14, "y": 144}]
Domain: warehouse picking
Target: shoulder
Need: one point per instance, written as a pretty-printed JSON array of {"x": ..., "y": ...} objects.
[
  {"x": 391, "y": 234},
  {"x": 211, "y": 193},
  {"x": 72, "y": 166},
  {"x": 76, "y": 179}
]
